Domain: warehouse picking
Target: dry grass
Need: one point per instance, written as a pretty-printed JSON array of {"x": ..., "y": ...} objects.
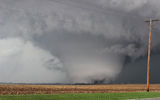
[{"x": 53, "y": 89}]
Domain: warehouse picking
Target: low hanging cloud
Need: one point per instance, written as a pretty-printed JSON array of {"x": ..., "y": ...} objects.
[
  {"x": 75, "y": 41},
  {"x": 21, "y": 61}
]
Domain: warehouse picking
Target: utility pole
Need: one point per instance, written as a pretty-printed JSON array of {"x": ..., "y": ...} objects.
[{"x": 149, "y": 49}]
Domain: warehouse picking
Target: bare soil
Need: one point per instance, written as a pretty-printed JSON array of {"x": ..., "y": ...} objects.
[{"x": 58, "y": 89}]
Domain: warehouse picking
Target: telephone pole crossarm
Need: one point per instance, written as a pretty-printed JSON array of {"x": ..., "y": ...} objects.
[{"x": 153, "y": 20}]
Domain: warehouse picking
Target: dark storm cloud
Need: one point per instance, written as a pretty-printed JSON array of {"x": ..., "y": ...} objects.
[{"x": 73, "y": 40}]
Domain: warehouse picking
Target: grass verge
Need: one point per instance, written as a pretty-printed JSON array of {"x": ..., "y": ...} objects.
[{"x": 83, "y": 96}]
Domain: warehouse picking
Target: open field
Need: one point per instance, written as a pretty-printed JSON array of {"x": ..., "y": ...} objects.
[
  {"x": 59, "y": 89},
  {"x": 83, "y": 96}
]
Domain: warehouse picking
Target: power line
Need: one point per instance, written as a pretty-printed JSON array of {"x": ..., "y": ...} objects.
[{"x": 96, "y": 9}]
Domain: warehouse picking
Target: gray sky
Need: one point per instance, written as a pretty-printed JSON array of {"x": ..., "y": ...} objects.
[{"x": 77, "y": 41}]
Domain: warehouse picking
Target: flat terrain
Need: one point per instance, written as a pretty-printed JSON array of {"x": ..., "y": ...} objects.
[
  {"x": 83, "y": 96},
  {"x": 61, "y": 89}
]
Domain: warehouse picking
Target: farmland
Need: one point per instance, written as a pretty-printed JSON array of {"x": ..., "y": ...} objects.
[{"x": 65, "y": 89}]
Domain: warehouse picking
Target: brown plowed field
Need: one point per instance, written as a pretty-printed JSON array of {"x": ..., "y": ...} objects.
[{"x": 54, "y": 89}]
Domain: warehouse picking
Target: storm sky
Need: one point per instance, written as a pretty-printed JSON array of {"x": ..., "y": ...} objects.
[{"x": 78, "y": 41}]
